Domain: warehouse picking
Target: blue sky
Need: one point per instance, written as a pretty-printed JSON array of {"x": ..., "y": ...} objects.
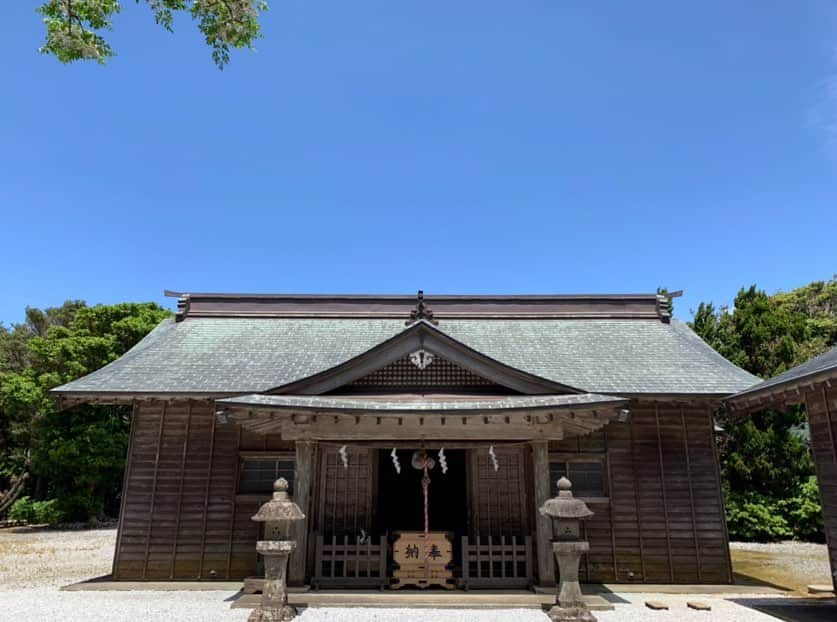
[{"x": 459, "y": 147}]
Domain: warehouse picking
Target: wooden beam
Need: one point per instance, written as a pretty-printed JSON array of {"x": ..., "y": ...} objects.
[
  {"x": 183, "y": 457},
  {"x": 663, "y": 489},
  {"x": 118, "y": 553},
  {"x": 304, "y": 474},
  {"x": 207, "y": 491},
  {"x": 153, "y": 490},
  {"x": 543, "y": 525}
]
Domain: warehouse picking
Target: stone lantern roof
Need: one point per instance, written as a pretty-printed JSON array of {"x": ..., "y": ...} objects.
[
  {"x": 565, "y": 505},
  {"x": 280, "y": 508}
]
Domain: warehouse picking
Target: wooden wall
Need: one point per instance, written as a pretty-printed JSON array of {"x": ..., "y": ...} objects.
[
  {"x": 181, "y": 517},
  {"x": 664, "y": 521},
  {"x": 821, "y": 405}
]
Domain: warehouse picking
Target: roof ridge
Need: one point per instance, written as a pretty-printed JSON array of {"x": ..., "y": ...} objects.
[{"x": 445, "y": 306}]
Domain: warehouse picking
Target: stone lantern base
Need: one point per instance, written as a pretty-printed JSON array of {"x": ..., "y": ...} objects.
[
  {"x": 570, "y": 614},
  {"x": 284, "y": 613},
  {"x": 274, "y": 606}
]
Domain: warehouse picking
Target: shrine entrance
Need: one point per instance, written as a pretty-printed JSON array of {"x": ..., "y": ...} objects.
[
  {"x": 400, "y": 498},
  {"x": 371, "y": 508}
]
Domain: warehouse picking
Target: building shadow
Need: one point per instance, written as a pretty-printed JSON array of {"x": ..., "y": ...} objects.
[{"x": 793, "y": 609}]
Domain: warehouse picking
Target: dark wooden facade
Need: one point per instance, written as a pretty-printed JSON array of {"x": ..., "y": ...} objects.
[
  {"x": 660, "y": 521},
  {"x": 240, "y": 389}
]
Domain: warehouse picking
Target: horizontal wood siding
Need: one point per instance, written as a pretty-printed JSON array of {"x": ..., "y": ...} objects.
[
  {"x": 822, "y": 416},
  {"x": 181, "y": 519},
  {"x": 663, "y": 521}
]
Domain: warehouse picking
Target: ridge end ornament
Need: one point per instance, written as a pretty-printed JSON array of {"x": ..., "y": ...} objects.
[{"x": 421, "y": 312}]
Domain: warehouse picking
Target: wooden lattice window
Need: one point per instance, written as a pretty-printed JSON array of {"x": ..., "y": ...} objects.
[
  {"x": 258, "y": 472},
  {"x": 498, "y": 497},
  {"x": 346, "y": 492},
  {"x": 588, "y": 475}
]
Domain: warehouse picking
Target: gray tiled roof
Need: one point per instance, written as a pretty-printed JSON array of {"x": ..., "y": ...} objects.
[
  {"x": 366, "y": 403},
  {"x": 821, "y": 364},
  {"x": 253, "y": 355}
]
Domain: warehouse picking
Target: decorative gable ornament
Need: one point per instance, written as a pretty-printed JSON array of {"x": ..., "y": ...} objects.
[
  {"x": 421, "y": 358},
  {"x": 421, "y": 312}
]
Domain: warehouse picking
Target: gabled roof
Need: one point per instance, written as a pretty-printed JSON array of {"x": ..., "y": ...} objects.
[
  {"x": 230, "y": 352},
  {"x": 819, "y": 366}
]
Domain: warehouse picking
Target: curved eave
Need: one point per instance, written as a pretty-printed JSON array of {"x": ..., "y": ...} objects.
[
  {"x": 550, "y": 417},
  {"x": 336, "y": 405}
]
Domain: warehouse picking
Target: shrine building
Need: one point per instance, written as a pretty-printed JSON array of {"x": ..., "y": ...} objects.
[{"x": 342, "y": 395}]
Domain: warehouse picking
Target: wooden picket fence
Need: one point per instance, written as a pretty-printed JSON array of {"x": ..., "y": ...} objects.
[
  {"x": 344, "y": 562},
  {"x": 497, "y": 562}
]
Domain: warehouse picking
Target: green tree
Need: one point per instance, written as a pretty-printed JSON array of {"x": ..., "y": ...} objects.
[
  {"x": 765, "y": 457},
  {"x": 76, "y": 454},
  {"x": 74, "y": 27}
]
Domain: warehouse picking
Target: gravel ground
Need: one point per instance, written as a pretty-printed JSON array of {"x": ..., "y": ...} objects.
[
  {"x": 793, "y": 565},
  {"x": 38, "y": 559},
  {"x": 213, "y": 606},
  {"x": 33, "y": 565}
]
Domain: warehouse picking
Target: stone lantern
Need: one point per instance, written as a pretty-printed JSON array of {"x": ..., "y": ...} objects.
[
  {"x": 566, "y": 513},
  {"x": 278, "y": 515}
]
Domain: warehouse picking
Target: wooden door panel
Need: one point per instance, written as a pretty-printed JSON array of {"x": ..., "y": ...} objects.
[
  {"x": 346, "y": 503},
  {"x": 498, "y": 498}
]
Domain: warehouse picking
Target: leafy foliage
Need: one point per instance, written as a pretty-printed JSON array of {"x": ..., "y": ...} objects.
[
  {"x": 751, "y": 516},
  {"x": 73, "y": 27},
  {"x": 766, "y": 461},
  {"x": 763, "y": 518},
  {"x": 77, "y": 455},
  {"x": 35, "y": 512}
]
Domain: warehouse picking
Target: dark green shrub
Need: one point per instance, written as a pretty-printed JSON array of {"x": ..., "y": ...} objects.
[
  {"x": 36, "y": 512},
  {"x": 23, "y": 509},
  {"x": 803, "y": 512},
  {"x": 751, "y": 516}
]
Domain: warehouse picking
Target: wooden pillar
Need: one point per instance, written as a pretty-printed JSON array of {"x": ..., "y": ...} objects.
[
  {"x": 543, "y": 526},
  {"x": 304, "y": 467}
]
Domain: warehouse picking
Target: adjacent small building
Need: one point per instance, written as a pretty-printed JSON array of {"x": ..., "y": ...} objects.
[
  {"x": 814, "y": 385},
  {"x": 338, "y": 393}
]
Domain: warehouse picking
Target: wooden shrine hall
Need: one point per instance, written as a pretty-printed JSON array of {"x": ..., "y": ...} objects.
[{"x": 349, "y": 397}]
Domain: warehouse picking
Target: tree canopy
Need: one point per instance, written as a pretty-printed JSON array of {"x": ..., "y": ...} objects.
[
  {"x": 768, "y": 472},
  {"x": 77, "y": 456},
  {"x": 74, "y": 27}
]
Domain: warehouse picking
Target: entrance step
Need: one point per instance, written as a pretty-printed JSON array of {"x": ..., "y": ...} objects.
[{"x": 484, "y": 599}]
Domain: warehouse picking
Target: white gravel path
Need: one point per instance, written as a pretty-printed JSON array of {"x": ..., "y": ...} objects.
[
  {"x": 214, "y": 606},
  {"x": 34, "y": 565}
]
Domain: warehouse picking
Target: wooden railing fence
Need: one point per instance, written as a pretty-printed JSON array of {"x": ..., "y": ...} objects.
[
  {"x": 498, "y": 562},
  {"x": 345, "y": 562}
]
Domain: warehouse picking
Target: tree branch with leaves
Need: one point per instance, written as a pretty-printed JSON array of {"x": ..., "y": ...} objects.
[{"x": 74, "y": 27}]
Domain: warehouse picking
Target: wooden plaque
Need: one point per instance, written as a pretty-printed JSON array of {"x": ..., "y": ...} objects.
[{"x": 410, "y": 551}]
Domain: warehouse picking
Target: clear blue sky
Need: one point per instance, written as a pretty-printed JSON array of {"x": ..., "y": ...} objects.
[{"x": 453, "y": 146}]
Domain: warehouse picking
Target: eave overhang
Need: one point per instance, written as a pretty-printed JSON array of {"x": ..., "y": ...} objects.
[
  {"x": 510, "y": 417},
  {"x": 780, "y": 395}
]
